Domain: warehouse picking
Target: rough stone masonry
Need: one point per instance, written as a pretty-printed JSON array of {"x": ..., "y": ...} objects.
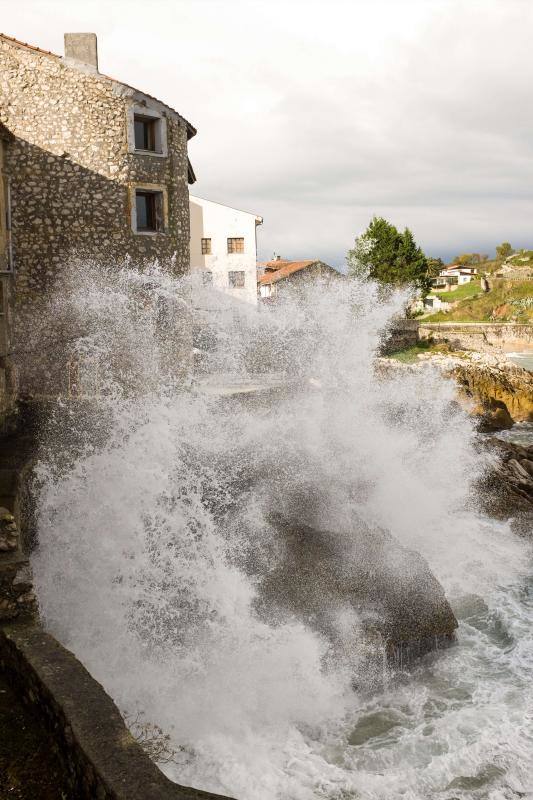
[{"x": 75, "y": 169}]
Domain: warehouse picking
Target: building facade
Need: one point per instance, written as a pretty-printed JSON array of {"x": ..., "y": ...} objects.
[
  {"x": 278, "y": 275},
  {"x": 96, "y": 168},
  {"x": 224, "y": 248},
  {"x": 450, "y": 278}
]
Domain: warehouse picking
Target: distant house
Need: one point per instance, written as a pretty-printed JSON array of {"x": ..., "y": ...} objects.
[
  {"x": 434, "y": 303},
  {"x": 451, "y": 277},
  {"x": 274, "y": 276},
  {"x": 223, "y": 247}
]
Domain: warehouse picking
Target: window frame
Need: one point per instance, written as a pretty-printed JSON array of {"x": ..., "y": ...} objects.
[
  {"x": 150, "y": 136},
  {"x": 230, "y": 247},
  {"x": 231, "y": 279},
  {"x": 159, "y": 118},
  {"x": 206, "y": 246},
  {"x": 162, "y": 213}
]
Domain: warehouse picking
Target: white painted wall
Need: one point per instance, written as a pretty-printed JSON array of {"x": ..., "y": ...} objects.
[{"x": 219, "y": 222}]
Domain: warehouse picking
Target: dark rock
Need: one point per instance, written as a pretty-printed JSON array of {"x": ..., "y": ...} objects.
[
  {"x": 392, "y": 589},
  {"x": 506, "y": 489}
]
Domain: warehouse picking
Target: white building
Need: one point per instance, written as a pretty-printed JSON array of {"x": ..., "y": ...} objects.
[
  {"x": 224, "y": 247},
  {"x": 448, "y": 279}
]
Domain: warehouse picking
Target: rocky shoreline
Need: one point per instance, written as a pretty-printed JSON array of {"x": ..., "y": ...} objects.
[
  {"x": 507, "y": 487},
  {"x": 499, "y": 394},
  {"x": 495, "y": 389}
]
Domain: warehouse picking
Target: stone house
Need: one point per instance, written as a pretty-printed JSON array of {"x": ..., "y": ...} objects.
[
  {"x": 95, "y": 168},
  {"x": 279, "y": 274},
  {"x": 224, "y": 248}
]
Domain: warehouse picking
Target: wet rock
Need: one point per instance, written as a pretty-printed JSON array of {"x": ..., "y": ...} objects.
[
  {"x": 16, "y": 596},
  {"x": 392, "y": 590},
  {"x": 492, "y": 388},
  {"x": 506, "y": 489},
  {"x": 502, "y": 392},
  {"x": 493, "y": 416},
  {"x": 8, "y": 531}
]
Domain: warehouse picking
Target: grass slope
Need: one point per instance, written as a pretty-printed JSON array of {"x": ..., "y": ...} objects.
[
  {"x": 461, "y": 293},
  {"x": 507, "y": 301}
]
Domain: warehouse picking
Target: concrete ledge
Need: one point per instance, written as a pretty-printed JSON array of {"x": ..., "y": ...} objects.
[{"x": 101, "y": 758}]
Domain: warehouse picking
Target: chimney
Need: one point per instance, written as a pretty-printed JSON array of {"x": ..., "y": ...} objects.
[{"x": 81, "y": 48}]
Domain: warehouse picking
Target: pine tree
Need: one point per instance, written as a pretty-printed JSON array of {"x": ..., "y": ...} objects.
[{"x": 384, "y": 254}]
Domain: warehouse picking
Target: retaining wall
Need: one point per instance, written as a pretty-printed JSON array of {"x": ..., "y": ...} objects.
[
  {"x": 102, "y": 761},
  {"x": 483, "y": 337},
  {"x": 402, "y": 333}
]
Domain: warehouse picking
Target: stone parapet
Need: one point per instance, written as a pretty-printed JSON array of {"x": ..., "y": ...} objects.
[{"x": 101, "y": 759}]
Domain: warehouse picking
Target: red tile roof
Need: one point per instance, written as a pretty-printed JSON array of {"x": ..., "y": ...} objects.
[
  {"x": 280, "y": 268},
  {"x": 29, "y": 46},
  {"x": 191, "y": 130}
]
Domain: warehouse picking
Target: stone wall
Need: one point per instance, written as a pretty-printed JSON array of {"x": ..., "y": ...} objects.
[
  {"x": 8, "y": 384},
  {"x": 7, "y": 374},
  {"x": 101, "y": 759},
  {"x": 483, "y": 337},
  {"x": 73, "y": 170},
  {"x": 17, "y": 600},
  {"x": 401, "y": 334}
]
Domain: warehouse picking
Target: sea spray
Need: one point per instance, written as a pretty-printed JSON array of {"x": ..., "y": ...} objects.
[{"x": 154, "y": 531}]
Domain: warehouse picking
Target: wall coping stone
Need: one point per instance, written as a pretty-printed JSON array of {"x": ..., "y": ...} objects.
[
  {"x": 484, "y": 325},
  {"x": 104, "y": 759}
]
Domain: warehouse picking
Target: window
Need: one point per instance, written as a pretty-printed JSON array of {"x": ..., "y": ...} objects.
[
  {"x": 206, "y": 247},
  {"x": 236, "y": 277},
  {"x": 236, "y": 246},
  {"x": 146, "y": 132},
  {"x": 207, "y": 278},
  {"x": 149, "y": 208}
]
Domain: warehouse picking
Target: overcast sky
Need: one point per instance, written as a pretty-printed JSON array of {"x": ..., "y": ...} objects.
[{"x": 317, "y": 114}]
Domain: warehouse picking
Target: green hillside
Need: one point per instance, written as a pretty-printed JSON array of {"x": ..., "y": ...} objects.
[{"x": 507, "y": 301}]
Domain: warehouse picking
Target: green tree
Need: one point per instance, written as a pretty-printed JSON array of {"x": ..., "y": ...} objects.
[
  {"x": 384, "y": 254},
  {"x": 435, "y": 265},
  {"x": 504, "y": 250},
  {"x": 469, "y": 259}
]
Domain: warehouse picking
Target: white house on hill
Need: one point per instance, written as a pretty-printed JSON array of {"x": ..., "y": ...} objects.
[
  {"x": 224, "y": 247},
  {"x": 450, "y": 278}
]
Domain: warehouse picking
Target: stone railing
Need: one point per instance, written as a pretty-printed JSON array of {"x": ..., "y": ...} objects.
[{"x": 99, "y": 756}]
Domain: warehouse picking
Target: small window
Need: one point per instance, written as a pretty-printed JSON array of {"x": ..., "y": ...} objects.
[
  {"x": 236, "y": 246},
  {"x": 149, "y": 207},
  {"x": 207, "y": 278},
  {"x": 146, "y": 129},
  {"x": 236, "y": 278},
  {"x": 206, "y": 247}
]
